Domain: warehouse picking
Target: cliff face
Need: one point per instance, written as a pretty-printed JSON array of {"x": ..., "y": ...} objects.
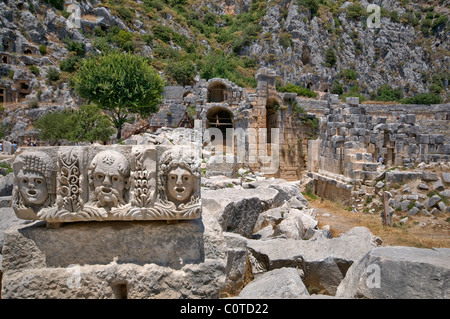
[{"x": 396, "y": 53}]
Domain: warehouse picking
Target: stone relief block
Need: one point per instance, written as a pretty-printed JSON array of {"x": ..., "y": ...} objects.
[{"x": 65, "y": 184}]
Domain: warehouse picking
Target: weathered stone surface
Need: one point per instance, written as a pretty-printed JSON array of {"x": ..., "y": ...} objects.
[
  {"x": 413, "y": 211},
  {"x": 115, "y": 260},
  {"x": 287, "y": 191},
  {"x": 271, "y": 217},
  {"x": 220, "y": 181},
  {"x": 236, "y": 264},
  {"x": 284, "y": 283},
  {"x": 238, "y": 209},
  {"x": 433, "y": 200},
  {"x": 438, "y": 186},
  {"x": 222, "y": 165},
  {"x": 290, "y": 228},
  {"x": 324, "y": 261},
  {"x": 429, "y": 176},
  {"x": 446, "y": 178},
  {"x": 399, "y": 273},
  {"x": 6, "y": 185}
]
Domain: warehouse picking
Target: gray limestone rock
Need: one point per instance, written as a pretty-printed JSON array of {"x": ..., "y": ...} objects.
[
  {"x": 284, "y": 283},
  {"x": 399, "y": 273},
  {"x": 433, "y": 200},
  {"x": 323, "y": 260},
  {"x": 237, "y": 210}
]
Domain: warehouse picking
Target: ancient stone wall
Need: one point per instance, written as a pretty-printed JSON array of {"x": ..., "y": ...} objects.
[{"x": 353, "y": 138}]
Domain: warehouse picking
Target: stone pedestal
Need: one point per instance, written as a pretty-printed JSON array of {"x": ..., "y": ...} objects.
[{"x": 114, "y": 260}]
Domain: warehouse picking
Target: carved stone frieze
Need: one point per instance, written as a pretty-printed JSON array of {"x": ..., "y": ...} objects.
[{"x": 82, "y": 183}]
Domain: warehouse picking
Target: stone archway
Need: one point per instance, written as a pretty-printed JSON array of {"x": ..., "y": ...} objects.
[
  {"x": 217, "y": 92},
  {"x": 220, "y": 118}
]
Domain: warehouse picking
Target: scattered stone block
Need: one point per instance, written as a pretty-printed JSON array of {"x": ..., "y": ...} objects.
[
  {"x": 283, "y": 283},
  {"x": 446, "y": 178},
  {"x": 438, "y": 186},
  {"x": 423, "y": 186},
  {"x": 425, "y": 212},
  {"x": 442, "y": 207},
  {"x": 388, "y": 272},
  {"x": 429, "y": 176},
  {"x": 413, "y": 211},
  {"x": 313, "y": 256},
  {"x": 236, "y": 264},
  {"x": 433, "y": 200}
]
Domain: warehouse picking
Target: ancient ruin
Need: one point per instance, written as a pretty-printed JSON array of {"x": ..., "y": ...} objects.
[{"x": 69, "y": 184}]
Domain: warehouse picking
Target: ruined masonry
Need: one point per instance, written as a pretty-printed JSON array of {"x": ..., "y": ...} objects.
[
  {"x": 111, "y": 222},
  {"x": 354, "y": 136}
]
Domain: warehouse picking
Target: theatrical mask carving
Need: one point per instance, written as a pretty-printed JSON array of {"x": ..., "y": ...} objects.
[
  {"x": 34, "y": 184},
  {"x": 109, "y": 175}
]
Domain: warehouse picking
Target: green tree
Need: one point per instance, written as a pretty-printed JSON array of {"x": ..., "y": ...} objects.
[
  {"x": 54, "y": 127},
  {"x": 121, "y": 84},
  {"x": 88, "y": 124}
]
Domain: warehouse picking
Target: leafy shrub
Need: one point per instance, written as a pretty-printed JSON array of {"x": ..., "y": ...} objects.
[
  {"x": 125, "y": 13},
  {"x": 74, "y": 46},
  {"x": 53, "y": 75},
  {"x": 58, "y": 4},
  {"x": 330, "y": 57},
  {"x": 162, "y": 32},
  {"x": 34, "y": 69},
  {"x": 311, "y": 5},
  {"x": 209, "y": 19},
  {"x": 355, "y": 11},
  {"x": 285, "y": 40},
  {"x": 354, "y": 92},
  {"x": 289, "y": 87},
  {"x": 336, "y": 88},
  {"x": 409, "y": 18},
  {"x": 43, "y": 49},
  {"x": 424, "y": 98},
  {"x": 70, "y": 64},
  {"x": 439, "y": 22},
  {"x": 182, "y": 72},
  {"x": 225, "y": 66},
  {"x": 348, "y": 74},
  {"x": 394, "y": 16},
  {"x": 386, "y": 93},
  {"x": 124, "y": 40}
]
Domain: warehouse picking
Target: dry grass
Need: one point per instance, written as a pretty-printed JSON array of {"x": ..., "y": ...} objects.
[{"x": 436, "y": 233}]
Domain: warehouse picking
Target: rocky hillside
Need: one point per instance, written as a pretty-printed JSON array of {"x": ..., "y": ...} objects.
[{"x": 324, "y": 45}]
